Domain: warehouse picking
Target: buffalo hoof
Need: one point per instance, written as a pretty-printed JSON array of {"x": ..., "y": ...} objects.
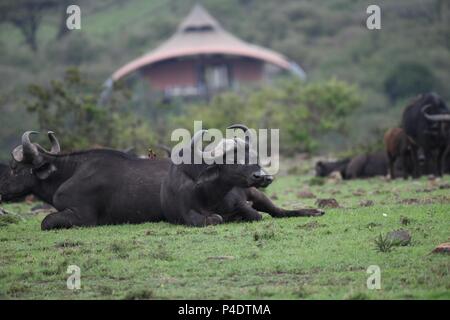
[
  {"x": 46, "y": 224},
  {"x": 213, "y": 220},
  {"x": 256, "y": 217}
]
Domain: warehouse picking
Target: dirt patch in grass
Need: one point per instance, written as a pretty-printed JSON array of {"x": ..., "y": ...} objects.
[
  {"x": 373, "y": 225},
  {"x": 441, "y": 199},
  {"x": 359, "y": 193},
  {"x": 405, "y": 220},
  {"x": 366, "y": 203},
  {"x": 306, "y": 194},
  {"x": 68, "y": 244},
  {"x": 141, "y": 294},
  {"x": 327, "y": 203},
  {"x": 221, "y": 258},
  {"x": 311, "y": 225},
  {"x": 409, "y": 201}
]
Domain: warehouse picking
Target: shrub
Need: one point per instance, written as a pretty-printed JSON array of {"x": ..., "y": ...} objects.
[
  {"x": 69, "y": 108},
  {"x": 304, "y": 111},
  {"x": 408, "y": 79}
]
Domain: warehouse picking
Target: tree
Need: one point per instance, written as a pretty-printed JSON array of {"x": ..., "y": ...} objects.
[
  {"x": 302, "y": 111},
  {"x": 26, "y": 15},
  {"x": 409, "y": 79},
  {"x": 69, "y": 108}
]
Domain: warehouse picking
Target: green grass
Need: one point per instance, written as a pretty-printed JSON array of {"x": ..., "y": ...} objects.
[{"x": 295, "y": 258}]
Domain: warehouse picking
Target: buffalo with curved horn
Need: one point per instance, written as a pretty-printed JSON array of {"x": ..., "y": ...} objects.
[
  {"x": 426, "y": 121},
  {"x": 87, "y": 188},
  {"x": 30, "y": 150},
  {"x": 213, "y": 193}
]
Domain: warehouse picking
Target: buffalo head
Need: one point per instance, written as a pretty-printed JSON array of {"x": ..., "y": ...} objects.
[
  {"x": 29, "y": 165},
  {"x": 434, "y": 109},
  {"x": 438, "y": 114},
  {"x": 243, "y": 172}
]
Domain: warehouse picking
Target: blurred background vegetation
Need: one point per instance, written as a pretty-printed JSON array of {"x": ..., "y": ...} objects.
[{"x": 358, "y": 80}]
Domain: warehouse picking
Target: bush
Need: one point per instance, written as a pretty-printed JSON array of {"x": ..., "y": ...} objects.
[
  {"x": 304, "y": 111},
  {"x": 69, "y": 108},
  {"x": 409, "y": 79}
]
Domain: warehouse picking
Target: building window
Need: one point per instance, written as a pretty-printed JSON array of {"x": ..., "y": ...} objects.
[{"x": 217, "y": 77}]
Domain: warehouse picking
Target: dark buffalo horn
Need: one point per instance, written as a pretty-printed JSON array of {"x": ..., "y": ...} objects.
[
  {"x": 243, "y": 127},
  {"x": 30, "y": 151},
  {"x": 238, "y": 126},
  {"x": 55, "y": 143},
  {"x": 425, "y": 108}
]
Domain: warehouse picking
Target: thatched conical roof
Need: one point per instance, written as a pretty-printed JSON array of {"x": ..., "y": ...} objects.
[{"x": 200, "y": 34}]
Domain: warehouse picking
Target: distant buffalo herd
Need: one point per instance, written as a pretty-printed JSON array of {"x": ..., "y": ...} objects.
[{"x": 420, "y": 145}]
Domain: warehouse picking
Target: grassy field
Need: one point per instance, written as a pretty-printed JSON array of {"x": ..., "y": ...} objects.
[{"x": 295, "y": 258}]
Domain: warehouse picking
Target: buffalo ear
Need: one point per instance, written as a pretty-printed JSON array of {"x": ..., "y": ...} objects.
[
  {"x": 210, "y": 174},
  {"x": 44, "y": 171}
]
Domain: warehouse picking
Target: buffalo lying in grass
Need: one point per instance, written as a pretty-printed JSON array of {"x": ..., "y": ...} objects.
[
  {"x": 205, "y": 194},
  {"x": 324, "y": 168},
  {"x": 367, "y": 165},
  {"x": 88, "y": 188},
  {"x": 361, "y": 166}
]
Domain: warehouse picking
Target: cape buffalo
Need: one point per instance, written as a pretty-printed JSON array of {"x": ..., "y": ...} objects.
[
  {"x": 323, "y": 168},
  {"x": 427, "y": 121},
  {"x": 208, "y": 194},
  {"x": 399, "y": 146},
  {"x": 88, "y": 188},
  {"x": 367, "y": 165},
  {"x": 3, "y": 169}
]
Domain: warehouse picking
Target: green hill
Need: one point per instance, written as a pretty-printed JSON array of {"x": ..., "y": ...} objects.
[{"x": 327, "y": 38}]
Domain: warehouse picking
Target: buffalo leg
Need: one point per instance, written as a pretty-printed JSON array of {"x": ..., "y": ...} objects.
[
  {"x": 195, "y": 219},
  {"x": 67, "y": 218},
  {"x": 391, "y": 166},
  {"x": 245, "y": 213},
  {"x": 416, "y": 162},
  {"x": 262, "y": 203},
  {"x": 444, "y": 158},
  {"x": 406, "y": 166},
  {"x": 440, "y": 160}
]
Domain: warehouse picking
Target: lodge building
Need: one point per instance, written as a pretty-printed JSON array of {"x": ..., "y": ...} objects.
[{"x": 202, "y": 58}]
